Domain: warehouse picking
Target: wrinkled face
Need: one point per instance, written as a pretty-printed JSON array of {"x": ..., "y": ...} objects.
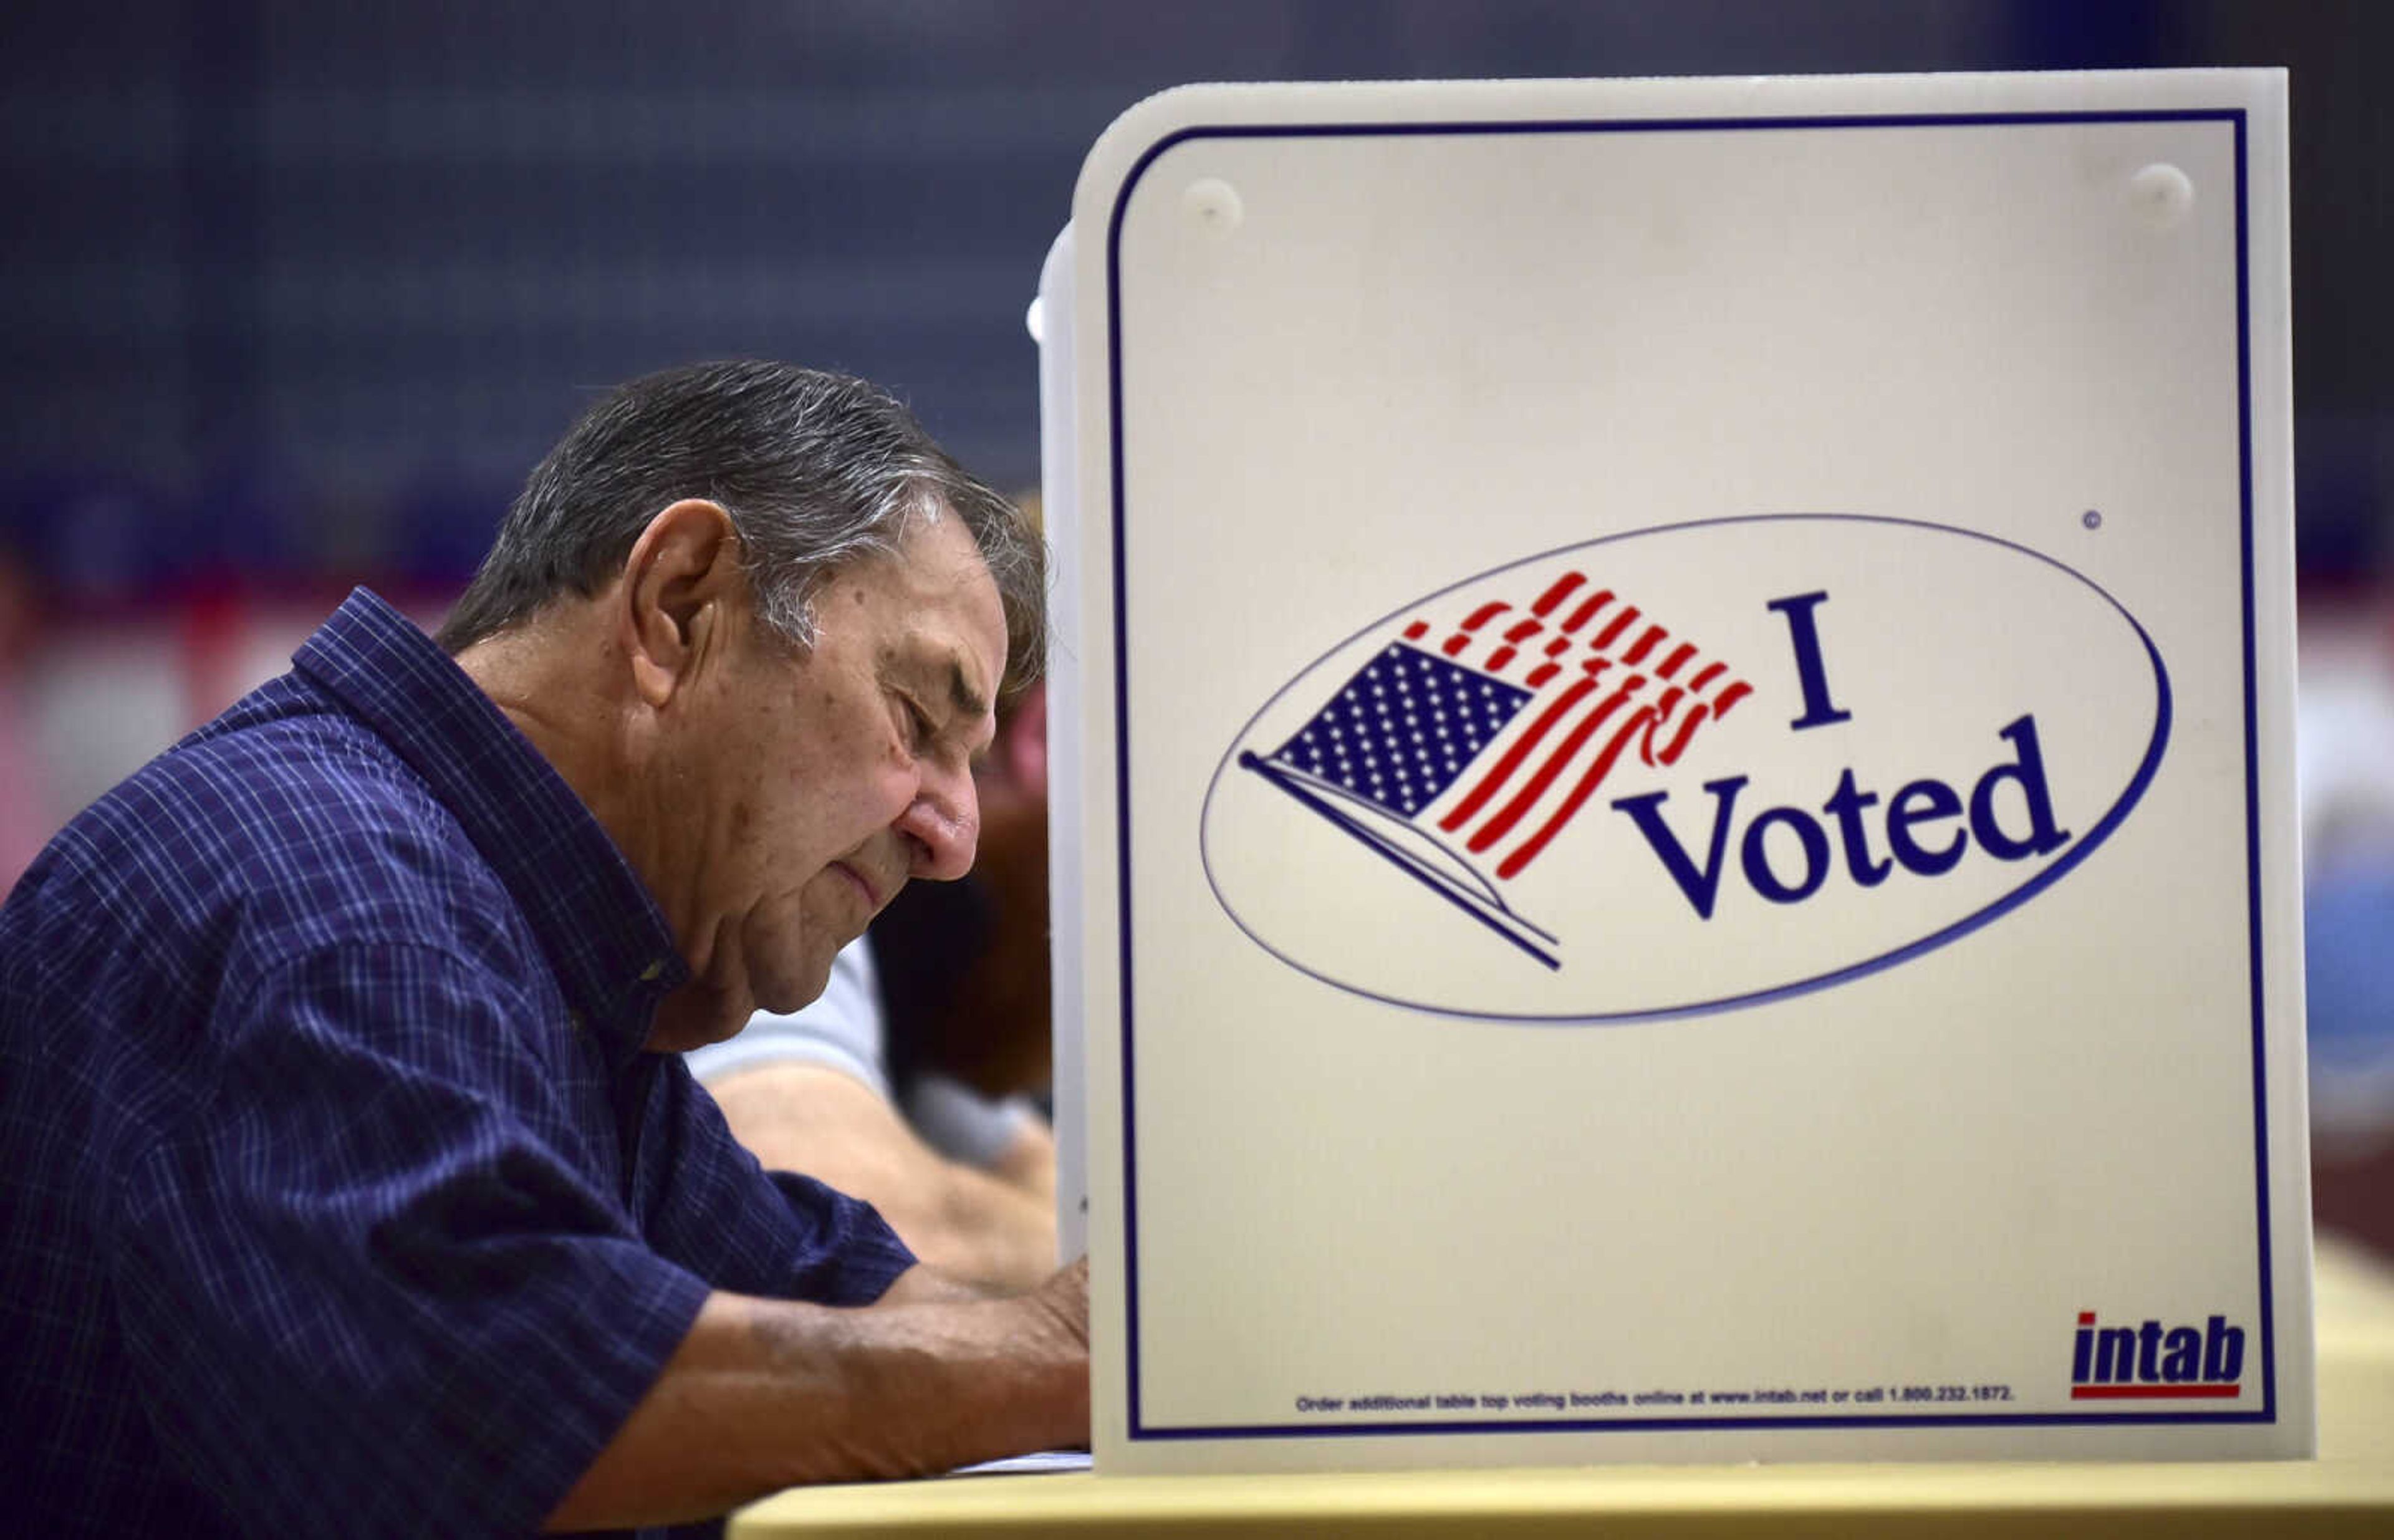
[{"x": 828, "y": 780}]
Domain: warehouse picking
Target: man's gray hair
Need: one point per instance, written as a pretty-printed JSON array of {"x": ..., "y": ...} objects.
[{"x": 816, "y": 470}]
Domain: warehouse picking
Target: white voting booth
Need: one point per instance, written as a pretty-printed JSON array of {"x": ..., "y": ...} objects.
[{"x": 1672, "y": 724}]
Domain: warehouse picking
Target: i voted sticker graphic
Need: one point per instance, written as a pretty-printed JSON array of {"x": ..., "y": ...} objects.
[{"x": 1687, "y": 769}]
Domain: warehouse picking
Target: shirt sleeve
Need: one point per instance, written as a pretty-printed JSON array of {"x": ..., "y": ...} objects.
[
  {"x": 773, "y": 1233},
  {"x": 370, "y": 1283}
]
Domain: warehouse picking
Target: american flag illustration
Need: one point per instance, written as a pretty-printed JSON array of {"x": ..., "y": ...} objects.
[{"x": 1459, "y": 752}]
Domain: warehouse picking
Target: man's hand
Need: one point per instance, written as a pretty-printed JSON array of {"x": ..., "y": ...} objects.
[
  {"x": 764, "y": 1394},
  {"x": 1059, "y": 1311}
]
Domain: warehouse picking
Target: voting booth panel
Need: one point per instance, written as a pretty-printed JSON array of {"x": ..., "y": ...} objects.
[{"x": 1678, "y": 699}]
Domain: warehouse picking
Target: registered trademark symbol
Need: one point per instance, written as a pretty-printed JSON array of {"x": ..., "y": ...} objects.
[{"x": 2091, "y": 518}]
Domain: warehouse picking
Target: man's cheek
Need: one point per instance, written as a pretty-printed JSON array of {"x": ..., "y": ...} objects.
[
  {"x": 786, "y": 937},
  {"x": 801, "y": 968}
]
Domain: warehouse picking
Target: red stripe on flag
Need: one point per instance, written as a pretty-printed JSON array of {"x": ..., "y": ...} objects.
[
  {"x": 1621, "y": 623},
  {"x": 1678, "y": 744},
  {"x": 1471, "y": 623},
  {"x": 2152, "y": 1392},
  {"x": 1499, "y": 658},
  {"x": 1557, "y": 594},
  {"x": 1502, "y": 824},
  {"x": 1579, "y": 617},
  {"x": 1417, "y": 630},
  {"x": 1496, "y": 778},
  {"x": 1711, "y": 671},
  {"x": 1541, "y": 674},
  {"x": 1647, "y": 643},
  {"x": 1729, "y": 697},
  {"x": 1677, "y": 660},
  {"x": 1557, "y": 646},
  {"x": 1528, "y": 849},
  {"x": 1524, "y": 630}
]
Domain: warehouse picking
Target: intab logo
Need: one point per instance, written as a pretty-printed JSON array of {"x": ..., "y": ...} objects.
[
  {"x": 2149, "y": 1362},
  {"x": 1769, "y": 755}
]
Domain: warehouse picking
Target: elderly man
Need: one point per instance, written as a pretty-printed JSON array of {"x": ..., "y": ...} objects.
[
  {"x": 351, "y": 1184},
  {"x": 906, "y": 1083}
]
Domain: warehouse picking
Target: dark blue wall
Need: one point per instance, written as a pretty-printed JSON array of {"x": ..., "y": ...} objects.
[{"x": 295, "y": 289}]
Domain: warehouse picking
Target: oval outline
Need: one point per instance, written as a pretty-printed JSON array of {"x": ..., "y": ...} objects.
[{"x": 1977, "y": 919}]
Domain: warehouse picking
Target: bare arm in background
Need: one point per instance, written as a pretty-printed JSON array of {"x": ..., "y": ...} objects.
[
  {"x": 1029, "y": 1165},
  {"x": 765, "y": 1394},
  {"x": 998, "y": 1226}
]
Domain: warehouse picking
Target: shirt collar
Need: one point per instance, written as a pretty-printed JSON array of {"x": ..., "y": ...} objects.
[{"x": 602, "y": 932}]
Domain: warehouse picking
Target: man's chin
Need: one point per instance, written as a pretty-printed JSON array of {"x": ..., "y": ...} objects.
[
  {"x": 795, "y": 991},
  {"x": 696, "y": 1015}
]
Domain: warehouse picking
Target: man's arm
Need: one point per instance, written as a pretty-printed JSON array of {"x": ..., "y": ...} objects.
[
  {"x": 1027, "y": 1165},
  {"x": 806, "y": 1117},
  {"x": 764, "y": 1394}
]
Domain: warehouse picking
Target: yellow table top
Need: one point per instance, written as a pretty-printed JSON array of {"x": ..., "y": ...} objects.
[{"x": 2349, "y": 1489}]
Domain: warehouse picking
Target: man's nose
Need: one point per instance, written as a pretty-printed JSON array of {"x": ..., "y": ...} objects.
[{"x": 943, "y": 822}]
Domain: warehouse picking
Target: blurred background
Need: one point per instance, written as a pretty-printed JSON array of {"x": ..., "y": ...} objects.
[{"x": 294, "y": 292}]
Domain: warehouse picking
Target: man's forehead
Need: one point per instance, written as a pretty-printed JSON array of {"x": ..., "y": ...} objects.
[{"x": 948, "y": 612}]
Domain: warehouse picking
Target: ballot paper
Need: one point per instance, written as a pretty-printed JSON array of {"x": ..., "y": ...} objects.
[
  {"x": 1673, "y": 723},
  {"x": 1051, "y": 1462}
]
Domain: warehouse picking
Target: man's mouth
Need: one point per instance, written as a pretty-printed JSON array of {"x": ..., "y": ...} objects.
[{"x": 864, "y": 884}]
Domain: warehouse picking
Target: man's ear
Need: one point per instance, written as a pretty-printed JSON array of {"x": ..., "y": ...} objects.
[{"x": 680, "y": 584}]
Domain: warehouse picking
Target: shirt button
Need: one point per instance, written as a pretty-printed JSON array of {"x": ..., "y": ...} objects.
[{"x": 649, "y": 974}]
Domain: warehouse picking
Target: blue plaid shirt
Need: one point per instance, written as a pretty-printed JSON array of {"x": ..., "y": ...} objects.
[{"x": 337, "y": 1194}]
